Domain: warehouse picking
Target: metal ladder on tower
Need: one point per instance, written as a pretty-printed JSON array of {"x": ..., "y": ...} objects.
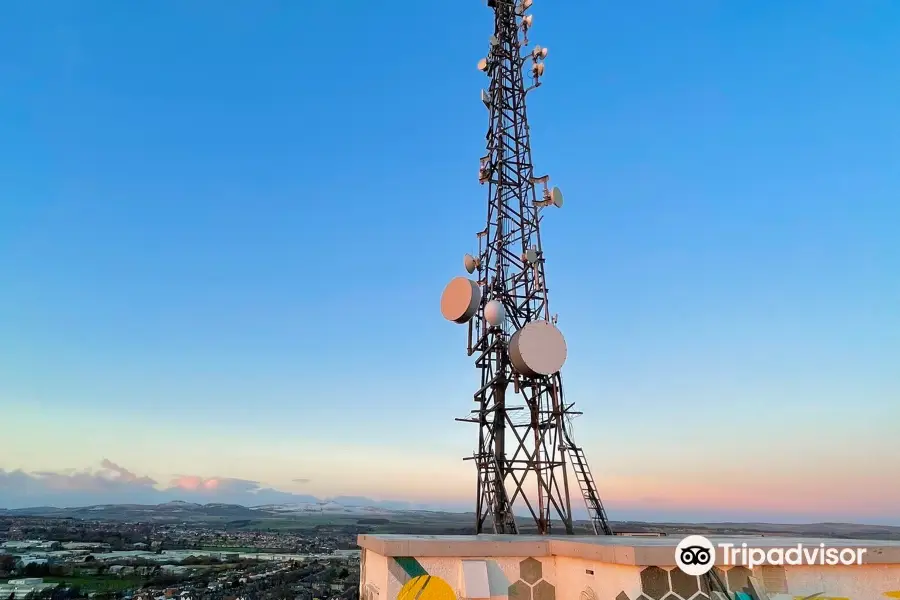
[
  {"x": 489, "y": 485},
  {"x": 597, "y": 513}
]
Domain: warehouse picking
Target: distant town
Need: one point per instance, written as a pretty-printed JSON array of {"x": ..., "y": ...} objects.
[
  {"x": 188, "y": 551},
  {"x": 63, "y": 559}
]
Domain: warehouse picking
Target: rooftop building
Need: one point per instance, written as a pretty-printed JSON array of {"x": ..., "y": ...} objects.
[{"x": 24, "y": 588}]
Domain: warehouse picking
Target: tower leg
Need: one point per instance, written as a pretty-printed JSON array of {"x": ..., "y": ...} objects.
[
  {"x": 560, "y": 440},
  {"x": 499, "y": 453}
]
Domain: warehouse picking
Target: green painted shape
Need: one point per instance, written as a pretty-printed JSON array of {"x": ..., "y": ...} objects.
[{"x": 410, "y": 566}]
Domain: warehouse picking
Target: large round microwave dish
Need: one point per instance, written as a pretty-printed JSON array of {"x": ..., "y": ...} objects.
[
  {"x": 539, "y": 348},
  {"x": 460, "y": 300}
]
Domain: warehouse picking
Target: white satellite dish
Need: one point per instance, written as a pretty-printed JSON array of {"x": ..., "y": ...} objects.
[
  {"x": 483, "y": 65},
  {"x": 486, "y": 98},
  {"x": 526, "y": 4},
  {"x": 460, "y": 300},
  {"x": 470, "y": 263},
  {"x": 530, "y": 255},
  {"x": 556, "y": 197},
  {"x": 537, "y": 349},
  {"x": 494, "y": 41},
  {"x": 527, "y": 20},
  {"x": 494, "y": 313},
  {"x": 538, "y": 69},
  {"x": 536, "y": 53}
]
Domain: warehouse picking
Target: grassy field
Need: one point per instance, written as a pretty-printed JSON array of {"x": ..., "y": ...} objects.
[
  {"x": 99, "y": 583},
  {"x": 423, "y": 523},
  {"x": 304, "y": 523},
  {"x": 438, "y": 523}
]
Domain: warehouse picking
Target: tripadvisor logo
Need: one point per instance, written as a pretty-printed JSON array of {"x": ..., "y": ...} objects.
[{"x": 696, "y": 555}]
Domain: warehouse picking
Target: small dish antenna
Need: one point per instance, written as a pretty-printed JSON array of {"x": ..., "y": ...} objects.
[
  {"x": 494, "y": 313},
  {"x": 494, "y": 41},
  {"x": 483, "y": 65},
  {"x": 526, "y": 4},
  {"x": 539, "y": 52},
  {"x": 486, "y": 98},
  {"x": 471, "y": 263},
  {"x": 527, "y": 20},
  {"x": 556, "y": 197},
  {"x": 530, "y": 255},
  {"x": 538, "y": 69},
  {"x": 548, "y": 197}
]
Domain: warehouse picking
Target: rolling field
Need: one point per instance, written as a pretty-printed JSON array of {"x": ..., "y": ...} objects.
[
  {"x": 411, "y": 522},
  {"x": 438, "y": 523},
  {"x": 99, "y": 583}
]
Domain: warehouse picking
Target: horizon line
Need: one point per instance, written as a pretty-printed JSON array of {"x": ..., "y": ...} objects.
[{"x": 436, "y": 510}]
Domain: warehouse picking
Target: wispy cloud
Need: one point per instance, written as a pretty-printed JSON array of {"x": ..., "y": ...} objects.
[
  {"x": 109, "y": 478},
  {"x": 124, "y": 475},
  {"x": 115, "y": 484}
]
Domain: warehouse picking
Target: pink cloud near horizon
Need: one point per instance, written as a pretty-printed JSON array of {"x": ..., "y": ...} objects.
[{"x": 194, "y": 482}]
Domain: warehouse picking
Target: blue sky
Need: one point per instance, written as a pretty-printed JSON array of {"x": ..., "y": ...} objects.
[{"x": 225, "y": 228}]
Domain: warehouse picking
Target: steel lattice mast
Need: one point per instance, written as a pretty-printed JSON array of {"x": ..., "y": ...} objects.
[{"x": 524, "y": 422}]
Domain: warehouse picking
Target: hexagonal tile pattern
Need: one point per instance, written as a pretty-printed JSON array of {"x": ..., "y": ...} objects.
[
  {"x": 704, "y": 586},
  {"x": 721, "y": 574},
  {"x": 622, "y": 596},
  {"x": 655, "y": 582},
  {"x": 774, "y": 579},
  {"x": 738, "y": 578},
  {"x": 671, "y": 596},
  {"x": 530, "y": 570},
  {"x": 532, "y": 586},
  {"x": 683, "y": 584},
  {"x": 543, "y": 590},
  {"x": 520, "y": 591}
]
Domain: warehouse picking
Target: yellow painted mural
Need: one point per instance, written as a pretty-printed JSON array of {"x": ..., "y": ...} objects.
[{"x": 426, "y": 587}]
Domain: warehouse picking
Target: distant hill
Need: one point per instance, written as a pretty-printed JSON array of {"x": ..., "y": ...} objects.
[
  {"x": 169, "y": 511},
  {"x": 354, "y": 513},
  {"x": 179, "y": 511}
]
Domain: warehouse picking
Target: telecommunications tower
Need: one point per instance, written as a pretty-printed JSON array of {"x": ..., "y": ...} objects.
[{"x": 524, "y": 423}]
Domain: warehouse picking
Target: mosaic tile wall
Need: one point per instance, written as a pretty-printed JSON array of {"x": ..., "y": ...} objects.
[
  {"x": 546, "y": 578},
  {"x": 673, "y": 584}
]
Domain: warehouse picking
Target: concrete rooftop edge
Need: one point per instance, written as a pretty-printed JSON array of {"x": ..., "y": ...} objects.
[{"x": 614, "y": 550}]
